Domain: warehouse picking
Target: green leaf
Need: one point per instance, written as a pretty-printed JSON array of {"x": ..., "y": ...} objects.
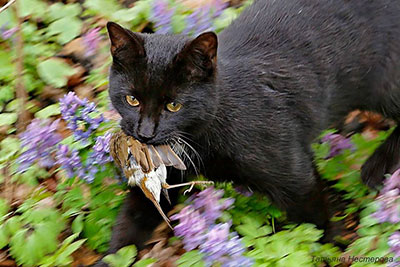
[
  {"x": 97, "y": 227},
  {"x": 66, "y": 29},
  {"x": 4, "y": 237},
  {"x": 48, "y": 111},
  {"x": 191, "y": 258},
  {"x": 14, "y": 105},
  {"x": 127, "y": 252},
  {"x": 102, "y": 7},
  {"x": 8, "y": 148},
  {"x": 227, "y": 16},
  {"x": 178, "y": 23},
  {"x": 37, "y": 8},
  {"x": 4, "y": 207},
  {"x": 39, "y": 236},
  {"x": 123, "y": 258},
  {"x": 55, "y": 72},
  {"x": 63, "y": 258},
  {"x": 8, "y": 118},
  {"x": 7, "y": 68},
  {"x": 135, "y": 15},
  {"x": 59, "y": 10},
  {"x": 69, "y": 239},
  {"x": 298, "y": 258},
  {"x": 77, "y": 224},
  {"x": 6, "y": 93},
  {"x": 13, "y": 224},
  {"x": 252, "y": 228},
  {"x": 17, "y": 247},
  {"x": 8, "y": 17},
  {"x": 144, "y": 262}
]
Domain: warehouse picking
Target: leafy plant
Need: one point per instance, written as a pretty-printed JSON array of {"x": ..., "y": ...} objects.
[
  {"x": 70, "y": 188},
  {"x": 125, "y": 257}
]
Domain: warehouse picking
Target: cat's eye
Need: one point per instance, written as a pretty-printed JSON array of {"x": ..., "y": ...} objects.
[
  {"x": 132, "y": 100},
  {"x": 174, "y": 107}
]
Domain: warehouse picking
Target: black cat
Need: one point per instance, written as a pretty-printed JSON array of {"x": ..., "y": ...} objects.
[{"x": 253, "y": 99}]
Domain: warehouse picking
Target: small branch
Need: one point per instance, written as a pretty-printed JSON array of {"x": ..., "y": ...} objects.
[
  {"x": 8, "y": 187},
  {"x": 6, "y": 5},
  {"x": 21, "y": 94}
]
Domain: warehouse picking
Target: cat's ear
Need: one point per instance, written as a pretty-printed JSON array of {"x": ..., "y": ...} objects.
[
  {"x": 205, "y": 44},
  {"x": 200, "y": 54},
  {"x": 124, "y": 42}
]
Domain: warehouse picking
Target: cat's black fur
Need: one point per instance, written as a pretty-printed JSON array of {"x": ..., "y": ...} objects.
[{"x": 256, "y": 97}]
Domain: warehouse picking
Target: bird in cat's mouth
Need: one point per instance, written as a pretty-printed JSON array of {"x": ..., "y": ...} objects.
[{"x": 145, "y": 166}]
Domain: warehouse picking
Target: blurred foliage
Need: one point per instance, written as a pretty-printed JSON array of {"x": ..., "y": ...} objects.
[{"x": 46, "y": 217}]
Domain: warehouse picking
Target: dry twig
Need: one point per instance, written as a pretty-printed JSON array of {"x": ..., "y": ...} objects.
[
  {"x": 9, "y": 3},
  {"x": 21, "y": 94}
]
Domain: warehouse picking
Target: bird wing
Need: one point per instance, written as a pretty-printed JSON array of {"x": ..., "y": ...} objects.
[
  {"x": 155, "y": 157},
  {"x": 169, "y": 157},
  {"x": 136, "y": 149},
  {"x": 119, "y": 148}
]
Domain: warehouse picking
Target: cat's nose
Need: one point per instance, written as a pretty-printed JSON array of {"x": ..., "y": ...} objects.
[
  {"x": 144, "y": 138},
  {"x": 146, "y": 130}
]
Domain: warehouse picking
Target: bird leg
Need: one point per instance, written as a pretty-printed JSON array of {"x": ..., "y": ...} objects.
[{"x": 192, "y": 184}]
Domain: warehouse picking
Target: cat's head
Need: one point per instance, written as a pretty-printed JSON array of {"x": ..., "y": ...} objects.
[{"x": 162, "y": 85}]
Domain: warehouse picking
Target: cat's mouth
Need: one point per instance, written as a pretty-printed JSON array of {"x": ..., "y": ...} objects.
[
  {"x": 155, "y": 140},
  {"x": 180, "y": 146}
]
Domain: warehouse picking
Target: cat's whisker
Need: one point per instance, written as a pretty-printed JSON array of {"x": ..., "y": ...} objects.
[
  {"x": 197, "y": 155},
  {"x": 183, "y": 152},
  {"x": 176, "y": 147},
  {"x": 183, "y": 143}
]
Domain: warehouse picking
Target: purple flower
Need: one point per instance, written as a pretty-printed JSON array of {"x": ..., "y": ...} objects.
[
  {"x": 81, "y": 116},
  {"x": 7, "y": 33},
  {"x": 102, "y": 149},
  {"x": 199, "y": 20},
  {"x": 394, "y": 243},
  {"x": 191, "y": 227},
  {"x": 338, "y": 143},
  {"x": 209, "y": 201},
  {"x": 389, "y": 200},
  {"x": 99, "y": 156},
  {"x": 389, "y": 207},
  {"x": 39, "y": 140},
  {"x": 392, "y": 182},
  {"x": 224, "y": 247},
  {"x": 202, "y": 18},
  {"x": 70, "y": 161},
  {"x": 218, "y": 7},
  {"x": 243, "y": 191},
  {"x": 91, "y": 41},
  {"x": 162, "y": 16},
  {"x": 198, "y": 228}
]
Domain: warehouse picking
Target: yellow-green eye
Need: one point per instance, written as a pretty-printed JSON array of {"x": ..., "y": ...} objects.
[
  {"x": 132, "y": 100},
  {"x": 174, "y": 107}
]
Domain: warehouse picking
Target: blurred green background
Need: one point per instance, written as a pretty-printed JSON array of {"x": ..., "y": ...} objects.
[{"x": 60, "y": 192}]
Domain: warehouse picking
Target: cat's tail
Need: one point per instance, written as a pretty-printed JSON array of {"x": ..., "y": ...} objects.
[{"x": 385, "y": 159}]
